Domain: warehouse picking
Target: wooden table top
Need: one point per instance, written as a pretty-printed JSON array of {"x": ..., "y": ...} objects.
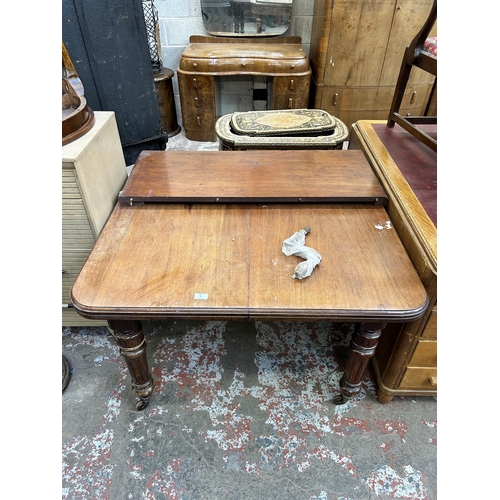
[
  {"x": 253, "y": 176},
  {"x": 158, "y": 260},
  {"x": 224, "y": 260}
]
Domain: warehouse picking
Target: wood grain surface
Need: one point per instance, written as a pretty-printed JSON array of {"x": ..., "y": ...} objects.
[
  {"x": 155, "y": 261},
  {"x": 253, "y": 176},
  {"x": 405, "y": 204}
]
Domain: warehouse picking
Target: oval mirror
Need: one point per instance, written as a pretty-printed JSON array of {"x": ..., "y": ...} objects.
[{"x": 246, "y": 17}]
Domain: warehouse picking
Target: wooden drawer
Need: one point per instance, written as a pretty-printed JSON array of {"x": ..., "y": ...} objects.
[
  {"x": 291, "y": 85},
  {"x": 197, "y": 104},
  {"x": 430, "y": 330},
  {"x": 351, "y": 104},
  {"x": 244, "y": 58},
  {"x": 415, "y": 100},
  {"x": 77, "y": 232},
  {"x": 419, "y": 378},
  {"x": 198, "y": 84},
  {"x": 373, "y": 98},
  {"x": 425, "y": 354},
  {"x": 287, "y": 101},
  {"x": 199, "y": 119}
]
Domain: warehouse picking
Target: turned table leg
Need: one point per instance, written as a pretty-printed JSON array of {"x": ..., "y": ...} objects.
[
  {"x": 363, "y": 345},
  {"x": 132, "y": 344}
]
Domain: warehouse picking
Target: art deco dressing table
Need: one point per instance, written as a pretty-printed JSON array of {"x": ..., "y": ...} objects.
[
  {"x": 205, "y": 58},
  {"x": 198, "y": 234}
]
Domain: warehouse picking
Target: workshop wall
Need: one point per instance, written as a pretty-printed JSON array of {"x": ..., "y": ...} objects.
[{"x": 179, "y": 19}]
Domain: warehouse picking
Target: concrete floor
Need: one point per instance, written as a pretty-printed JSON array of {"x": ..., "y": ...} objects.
[{"x": 241, "y": 410}]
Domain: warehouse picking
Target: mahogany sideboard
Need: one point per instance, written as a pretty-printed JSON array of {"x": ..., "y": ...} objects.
[
  {"x": 198, "y": 234},
  {"x": 205, "y": 58},
  {"x": 406, "y": 362}
]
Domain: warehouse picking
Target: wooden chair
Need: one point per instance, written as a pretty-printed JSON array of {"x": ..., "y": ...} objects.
[{"x": 415, "y": 55}]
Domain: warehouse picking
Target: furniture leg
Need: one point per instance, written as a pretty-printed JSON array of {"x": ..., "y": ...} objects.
[
  {"x": 132, "y": 344},
  {"x": 363, "y": 345},
  {"x": 66, "y": 373}
]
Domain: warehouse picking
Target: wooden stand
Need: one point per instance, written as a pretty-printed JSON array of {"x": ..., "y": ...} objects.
[
  {"x": 166, "y": 103},
  {"x": 77, "y": 117}
]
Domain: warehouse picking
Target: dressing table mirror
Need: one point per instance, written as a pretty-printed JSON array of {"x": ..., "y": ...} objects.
[{"x": 246, "y": 17}]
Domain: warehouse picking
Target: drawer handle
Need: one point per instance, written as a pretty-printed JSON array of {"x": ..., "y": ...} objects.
[
  {"x": 195, "y": 83},
  {"x": 335, "y": 99},
  {"x": 198, "y": 121},
  {"x": 292, "y": 85},
  {"x": 196, "y": 102},
  {"x": 433, "y": 381},
  {"x": 290, "y": 103},
  {"x": 412, "y": 98}
]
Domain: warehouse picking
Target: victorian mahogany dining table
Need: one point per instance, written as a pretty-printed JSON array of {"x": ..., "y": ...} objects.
[{"x": 198, "y": 234}]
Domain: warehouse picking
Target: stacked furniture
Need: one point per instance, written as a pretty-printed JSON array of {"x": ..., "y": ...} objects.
[
  {"x": 402, "y": 153},
  {"x": 280, "y": 129}
]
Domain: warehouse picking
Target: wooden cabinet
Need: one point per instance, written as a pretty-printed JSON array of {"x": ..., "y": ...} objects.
[
  {"x": 405, "y": 361},
  {"x": 198, "y": 107},
  {"x": 356, "y": 53},
  {"x": 93, "y": 172}
]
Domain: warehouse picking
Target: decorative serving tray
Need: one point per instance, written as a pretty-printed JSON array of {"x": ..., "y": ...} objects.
[{"x": 282, "y": 122}]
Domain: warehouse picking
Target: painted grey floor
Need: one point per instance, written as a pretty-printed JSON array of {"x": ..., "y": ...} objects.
[{"x": 241, "y": 410}]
